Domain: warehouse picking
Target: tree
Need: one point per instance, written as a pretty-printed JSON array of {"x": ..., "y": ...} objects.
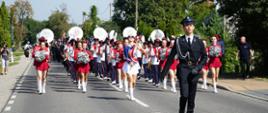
[
  {"x": 58, "y": 23},
  {"x": 33, "y": 27},
  {"x": 109, "y": 26},
  {"x": 23, "y": 10},
  {"x": 250, "y": 19},
  {"x": 90, "y": 24},
  {"x": 20, "y": 11},
  {"x": 4, "y": 26},
  {"x": 162, "y": 14}
]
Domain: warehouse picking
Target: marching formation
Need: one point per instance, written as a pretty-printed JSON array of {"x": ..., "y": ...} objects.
[{"x": 123, "y": 62}]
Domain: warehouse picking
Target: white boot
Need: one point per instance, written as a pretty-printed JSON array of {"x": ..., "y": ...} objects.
[
  {"x": 120, "y": 84},
  {"x": 84, "y": 85},
  {"x": 165, "y": 83},
  {"x": 131, "y": 94},
  {"x": 204, "y": 86},
  {"x": 79, "y": 84},
  {"x": 39, "y": 86},
  {"x": 44, "y": 86},
  {"x": 215, "y": 87},
  {"x": 126, "y": 85},
  {"x": 120, "y": 81},
  {"x": 173, "y": 85}
]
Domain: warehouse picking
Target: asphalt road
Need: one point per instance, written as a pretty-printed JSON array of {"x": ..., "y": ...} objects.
[{"x": 63, "y": 97}]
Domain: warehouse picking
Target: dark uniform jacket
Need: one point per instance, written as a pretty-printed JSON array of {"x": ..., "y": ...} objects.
[{"x": 194, "y": 61}]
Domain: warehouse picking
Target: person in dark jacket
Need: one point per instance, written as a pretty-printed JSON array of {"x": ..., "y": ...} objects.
[{"x": 192, "y": 56}]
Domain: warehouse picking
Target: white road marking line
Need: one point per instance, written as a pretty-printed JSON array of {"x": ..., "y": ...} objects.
[
  {"x": 10, "y": 102},
  {"x": 118, "y": 89},
  {"x": 18, "y": 87},
  {"x": 13, "y": 96},
  {"x": 20, "y": 82},
  {"x": 136, "y": 100},
  {"x": 139, "y": 102},
  {"x": 8, "y": 108}
]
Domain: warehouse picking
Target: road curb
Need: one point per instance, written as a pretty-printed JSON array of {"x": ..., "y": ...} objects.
[
  {"x": 13, "y": 89},
  {"x": 237, "y": 92}
]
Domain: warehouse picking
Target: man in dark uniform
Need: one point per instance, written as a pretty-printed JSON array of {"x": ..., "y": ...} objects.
[{"x": 192, "y": 56}]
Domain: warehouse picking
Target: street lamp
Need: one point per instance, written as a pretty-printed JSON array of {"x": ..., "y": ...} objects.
[
  {"x": 12, "y": 38},
  {"x": 137, "y": 13}
]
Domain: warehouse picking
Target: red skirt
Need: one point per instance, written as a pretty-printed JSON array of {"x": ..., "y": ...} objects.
[
  {"x": 82, "y": 68},
  {"x": 119, "y": 65},
  {"x": 215, "y": 62},
  {"x": 173, "y": 65},
  {"x": 41, "y": 66},
  {"x": 206, "y": 66}
]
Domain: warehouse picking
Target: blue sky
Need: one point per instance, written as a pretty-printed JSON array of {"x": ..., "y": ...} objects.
[{"x": 43, "y": 8}]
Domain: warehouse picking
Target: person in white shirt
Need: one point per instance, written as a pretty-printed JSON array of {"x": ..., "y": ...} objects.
[{"x": 154, "y": 58}]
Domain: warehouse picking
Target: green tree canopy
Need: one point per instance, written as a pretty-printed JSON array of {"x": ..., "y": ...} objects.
[
  {"x": 58, "y": 23},
  {"x": 33, "y": 28},
  {"x": 4, "y": 26},
  {"x": 161, "y": 14},
  {"x": 90, "y": 24}
]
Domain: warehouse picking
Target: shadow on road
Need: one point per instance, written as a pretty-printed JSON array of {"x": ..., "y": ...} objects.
[{"x": 107, "y": 98}]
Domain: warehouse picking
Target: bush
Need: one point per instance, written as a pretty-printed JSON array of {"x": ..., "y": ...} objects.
[{"x": 230, "y": 61}]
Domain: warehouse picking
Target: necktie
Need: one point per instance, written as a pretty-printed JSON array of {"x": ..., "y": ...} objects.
[{"x": 189, "y": 42}]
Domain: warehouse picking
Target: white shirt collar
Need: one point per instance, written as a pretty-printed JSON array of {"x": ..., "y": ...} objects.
[{"x": 190, "y": 36}]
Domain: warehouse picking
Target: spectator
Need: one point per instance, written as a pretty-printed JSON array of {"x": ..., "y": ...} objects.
[
  {"x": 245, "y": 54},
  {"x": 4, "y": 56},
  {"x": 26, "y": 49}
]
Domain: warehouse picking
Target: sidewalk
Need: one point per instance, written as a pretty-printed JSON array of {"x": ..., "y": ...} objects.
[
  {"x": 250, "y": 87},
  {"x": 7, "y": 82}
]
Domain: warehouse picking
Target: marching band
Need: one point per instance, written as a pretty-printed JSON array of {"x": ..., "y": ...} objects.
[{"x": 121, "y": 61}]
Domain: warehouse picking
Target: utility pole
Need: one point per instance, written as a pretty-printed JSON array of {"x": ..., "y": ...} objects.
[
  {"x": 110, "y": 10},
  {"x": 136, "y": 20}
]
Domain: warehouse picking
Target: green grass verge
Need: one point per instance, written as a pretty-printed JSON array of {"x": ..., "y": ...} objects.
[
  {"x": 18, "y": 53},
  {"x": 13, "y": 63},
  {"x": 265, "y": 78}
]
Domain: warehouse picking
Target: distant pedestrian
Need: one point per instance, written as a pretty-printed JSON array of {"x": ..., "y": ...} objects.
[
  {"x": 26, "y": 49},
  {"x": 4, "y": 56},
  {"x": 245, "y": 55}
]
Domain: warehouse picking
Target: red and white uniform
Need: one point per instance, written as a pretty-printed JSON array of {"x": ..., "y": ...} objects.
[
  {"x": 215, "y": 61},
  {"x": 206, "y": 66},
  {"x": 154, "y": 56},
  {"x": 43, "y": 65},
  {"x": 120, "y": 58},
  {"x": 82, "y": 68},
  {"x": 163, "y": 53},
  {"x": 174, "y": 64},
  {"x": 112, "y": 56},
  {"x": 95, "y": 49},
  {"x": 132, "y": 68}
]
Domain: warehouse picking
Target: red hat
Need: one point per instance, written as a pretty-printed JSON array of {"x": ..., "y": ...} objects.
[
  {"x": 42, "y": 39},
  {"x": 218, "y": 36}
]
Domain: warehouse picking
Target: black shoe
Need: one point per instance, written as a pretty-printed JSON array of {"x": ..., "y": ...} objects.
[{"x": 139, "y": 77}]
